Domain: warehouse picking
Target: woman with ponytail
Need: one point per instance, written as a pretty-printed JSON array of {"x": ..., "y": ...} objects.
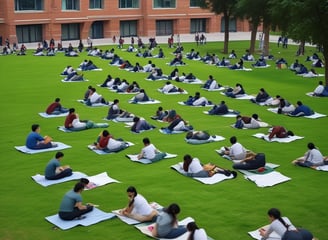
[
  {"x": 167, "y": 223},
  {"x": 196, "y": 233},
  {"x": 138, "y": 208},
  {"x": 284, "y": 228}
]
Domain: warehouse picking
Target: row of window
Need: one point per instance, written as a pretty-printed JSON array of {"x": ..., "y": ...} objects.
[
  {"x": 33, "y": 33},
  {"x": 38, "y": 5}
]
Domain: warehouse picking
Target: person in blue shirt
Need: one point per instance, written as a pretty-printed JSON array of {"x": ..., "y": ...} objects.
[
  {"x": 71, "y": 206},
  {"x": 54, "y": 170},
  {"x": 301, "y": 110},
  {"x": 35, "y": 141}
]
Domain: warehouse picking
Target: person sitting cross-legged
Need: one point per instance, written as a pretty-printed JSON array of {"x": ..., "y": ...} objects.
[
  {"x": 150, "y": 152},
  {"x": 54, "y": 170}
]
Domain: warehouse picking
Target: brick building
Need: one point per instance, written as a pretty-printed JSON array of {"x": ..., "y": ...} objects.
[{"x": 25, "y": 21}]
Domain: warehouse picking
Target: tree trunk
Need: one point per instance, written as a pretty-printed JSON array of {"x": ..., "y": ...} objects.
[
  {"x": 226, "y": 33},
  {"x": 325, "y": 56},
  {"x": 253, "y": 38},
  {"x": 266, "y": 45}
]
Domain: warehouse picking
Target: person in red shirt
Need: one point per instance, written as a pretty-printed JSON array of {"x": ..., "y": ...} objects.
[
  {"x": 280, "y": 132},
  {"x": 56, "y": 108}
]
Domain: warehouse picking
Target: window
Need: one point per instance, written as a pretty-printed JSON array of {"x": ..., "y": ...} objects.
[
  {"x": 197, "y": 25},
  {"x": 28, "y": 5},
  {"x": 29, "y": 33},
  {"x": 194, "y": 3},
  {"x": 164, "y": 27},
  {"x": 70, "y": 4},
  {"x": 128, "y": 3},
  {"x": 164, "y": 3},
  {"x": 70, "y": 31},
  {"x": 97, "y": 30},
  {"x": 128, "y": 28},
  {"x": 96, "y": 4}
]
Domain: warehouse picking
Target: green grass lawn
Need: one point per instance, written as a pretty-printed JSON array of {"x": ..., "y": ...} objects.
[{"x": 227, "y": 210}]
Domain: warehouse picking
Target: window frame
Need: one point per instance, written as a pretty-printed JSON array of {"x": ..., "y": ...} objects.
[
  {"x": 38, "y": 5},
  {"x": 75, "y": 5},
  {"x": 123, "y": 4},
  {"x": 96, "y": 2},
  {"x": 158, "y": 4}
]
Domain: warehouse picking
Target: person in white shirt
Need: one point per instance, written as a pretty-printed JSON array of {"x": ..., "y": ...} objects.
[
  {"x": 150, "y": 152},
  {"x": 312, "y": 157},
  {"x": 319, "y": 89},
  {"x": 236, "y": 152},
  {"x": 94, "y": 97},
  {"x": 196, "y": 233},
  {"x": 138, "y": 207},
  {"x": 284, "y": 228},
  {"x": 148, "y": 67}
]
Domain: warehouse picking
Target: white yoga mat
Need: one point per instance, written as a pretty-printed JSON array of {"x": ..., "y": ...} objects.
[
  {"x": 63, "y": 129},
  {"x": 164, "y": 131},
  {"x": 275, "y": 139},
  {"x": 262, "y": 125},
  {"x": 85, "y": 80},
  {"x": 100, "y": 179},
  {"x": 192, "y": 81},
  {"x": 216, "y": 178},
  {"x": 101, "y": 152},
  {"x": 45, "y": 115},
  {"x": 322, "y": 168},
  {"x": 230, "y": 114},
  {"x": 256, "y": 234},
  {"x": 153, "y": 101},
  {"x": 243, "y": 69},
  {"x": 95, "y": 104},
  {"x": 214, "y": 90},
  {"x": 96, "y": 69},
  {"x": 172, "y": 93},
  {"x": 40, "y": 179},
  {"x": 266, "y": 66},
  {"x": 60, "y": 146},
  {"x": 207, "y": 105},
  {"x": 215, "y": 138},
  {"x": 313, "y": 116},
  {"x": 131, "y": 221},
  {"x": 158, "y": 79},
  {"x": 267, "y": 180},
  {"x": 241, "y": 96},
  {"x": 120, "y": 119},
  {"x": 134, "y": 158},
  {"x": 93, "y": 217}
]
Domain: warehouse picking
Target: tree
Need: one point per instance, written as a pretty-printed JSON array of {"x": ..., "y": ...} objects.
[
  {"x": 225, "y": 7},
  {"x": 306, "y": 22}
]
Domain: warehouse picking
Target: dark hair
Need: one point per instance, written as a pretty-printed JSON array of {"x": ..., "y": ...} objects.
[
  {"x": 311, "y": 146},
  {"x": 35, "y": 127},
  {"x": 275, "y": 213},
  {"x": 299, "y": 103},
  {"x": 320, "y": 82},
  {"x": 173, "y": 209},
  {"x": 71, "y": 110},
  {"x": 84, "y": 181},
  {"x": 255, "y": 116},
  {"x": 222, "y": 102},
  {"x": 290, "y": 133},
  {"x": 187, "y": 159},
  {"x": 105, "y": 133},
  {"x": 78, "y": 187},
  {"x": 189, "y": 134},
  {"x": 57, "y": 100},
  {"x": 59, "y": 155},
  {"x": 160, "y": 108},
  {"x": 146, "y": 140},
  {"x": 136, "y": 119},
  {"x": 133, "y": 190},
  {"x": 191, "y": 227},
  {"x": 233, "y": 140},
  {"x": 116, "y": 101}
]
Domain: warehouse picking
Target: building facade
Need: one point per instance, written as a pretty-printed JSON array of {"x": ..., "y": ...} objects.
[{"x": 24, "y": 21}]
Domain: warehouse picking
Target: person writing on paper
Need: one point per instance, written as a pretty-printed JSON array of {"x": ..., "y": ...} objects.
[
  {"x": 138, "y": 208},
  {"x": 279, "y": 132},
  {"x": 196, "y": 233},
  {"x": 150, "y": 152},
  {"x": 35, "y": 141},
  {"x": 194, "y": 168},
  {"x": 284, "y": 228},
  {"x": 54, "y": 170},
  {"x": 252, "y": 162},
  {"x": 236, "y": 151},
  {"x": 312, "y": 157},
  {"x": 71, "y": 206},
  {"x": 166, "y": 225}
]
